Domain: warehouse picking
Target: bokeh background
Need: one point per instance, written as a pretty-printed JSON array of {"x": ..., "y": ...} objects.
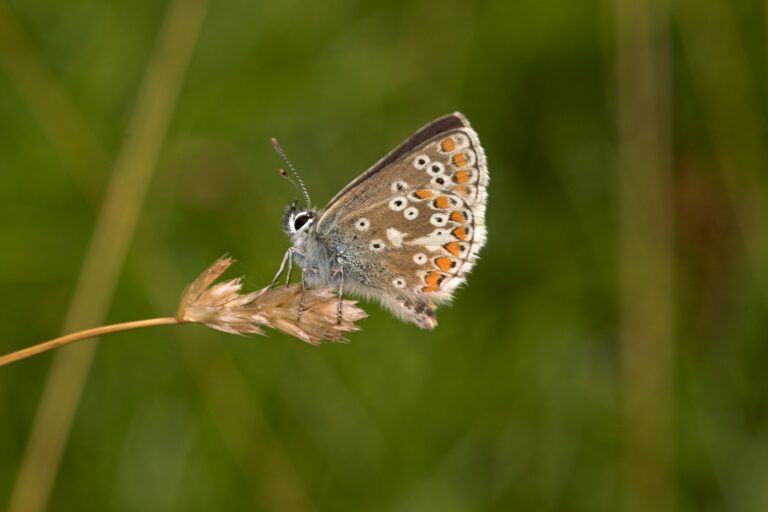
[{"x": 609, "y": 352}]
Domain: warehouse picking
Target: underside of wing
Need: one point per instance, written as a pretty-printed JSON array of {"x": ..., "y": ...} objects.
[
  {"x": 417, "y": 218},
  {"x": 433, "y": 129},
  {"x": 427, "y": 242}
]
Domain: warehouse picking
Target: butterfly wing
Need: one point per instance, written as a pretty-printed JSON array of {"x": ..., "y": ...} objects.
[
  {"x": 433, "y": 129},
  {"x": 414, "y": 223}
]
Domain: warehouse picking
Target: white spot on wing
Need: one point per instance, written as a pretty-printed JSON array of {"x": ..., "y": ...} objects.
[
  {"x": 376, "y": 245},
  {"x": 362, "y": 224},
  {"x": 411, "y": 213},
  {"x": 461, "y": 140},
  {"x": 420, "y": 162},
  {"x": 440, "y": 181},
  {"x": 398, "y": 203},
  {"x": 438, "y": 219},
  {"x": 395, "y": 237},
  {"x": 436, "y": 168},
  {"x": 399, "y": 186},
  {"x": 434, "y": 240}
]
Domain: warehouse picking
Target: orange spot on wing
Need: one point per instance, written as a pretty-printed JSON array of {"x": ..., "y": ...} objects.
[
  {"x": 453, "y": 248},
  {"x": 461, "y": 177},
  {"x": 461, "y": 189},
  {"x": 441, "y": 202},
  {"x": 444, "y": 263},
  {"x": 430, "y": 289},
  {"x": 447, "y": 145},
  {"x": 457, "y": 216},
  {"x": 433, "y": 278},
  {"x": 460, "y": 233},
  {"x": 459, "y": 159},
  {"x": 424, "y": 194}
]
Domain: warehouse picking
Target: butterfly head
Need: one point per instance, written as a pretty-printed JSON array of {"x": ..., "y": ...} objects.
[{"x": 297, "y": 222}]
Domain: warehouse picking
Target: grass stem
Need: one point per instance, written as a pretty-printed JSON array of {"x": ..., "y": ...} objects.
[{"x": 84, "y": 335}]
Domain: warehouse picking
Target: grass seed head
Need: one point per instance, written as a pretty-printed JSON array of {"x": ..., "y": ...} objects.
[{"x": 223, "y": 307}]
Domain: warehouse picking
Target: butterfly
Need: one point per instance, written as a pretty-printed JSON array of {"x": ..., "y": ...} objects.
[{"x": 406, "y": 232}]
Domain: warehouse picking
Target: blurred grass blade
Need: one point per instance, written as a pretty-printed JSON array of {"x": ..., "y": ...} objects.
[
  {"x": 646, "y": 295},
  {"x": 104, "y": 260},
  {"x": 713, "y": 49},
  {"x": 59, "y": 118},
  {"x": 266, "y": 466}
]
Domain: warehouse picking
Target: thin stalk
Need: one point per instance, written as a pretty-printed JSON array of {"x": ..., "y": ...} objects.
[
  {"x": 122, "y": 204},
  {"x": 84, "y": 335}
]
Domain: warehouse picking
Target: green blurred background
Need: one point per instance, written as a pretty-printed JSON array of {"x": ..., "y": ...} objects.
[{"x": 608, "y": 354}]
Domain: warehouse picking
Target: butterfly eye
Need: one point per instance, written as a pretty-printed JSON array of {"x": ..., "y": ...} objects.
[{"x": 301, "y": 220}]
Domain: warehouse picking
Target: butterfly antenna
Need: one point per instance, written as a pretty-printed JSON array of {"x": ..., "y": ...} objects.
[
  {"x": 296, "y": 179},
  {"x": 287, "y": 176}
]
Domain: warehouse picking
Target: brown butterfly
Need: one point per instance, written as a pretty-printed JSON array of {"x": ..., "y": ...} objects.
[{"x": 405, "y": 232}]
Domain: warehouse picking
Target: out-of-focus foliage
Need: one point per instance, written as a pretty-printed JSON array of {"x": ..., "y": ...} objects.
[{"x": 515, "y": 401}]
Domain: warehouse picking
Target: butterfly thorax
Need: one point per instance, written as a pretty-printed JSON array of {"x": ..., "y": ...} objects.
[{"x": 310, "y": 253}]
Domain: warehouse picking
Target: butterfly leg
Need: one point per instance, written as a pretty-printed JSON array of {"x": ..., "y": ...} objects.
[
  {"x": 339, "y": 270},
  {"x": 303, "y": 292},
  {"x": 287, "y": 260},
  {"x": 304, "y": 273}
]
